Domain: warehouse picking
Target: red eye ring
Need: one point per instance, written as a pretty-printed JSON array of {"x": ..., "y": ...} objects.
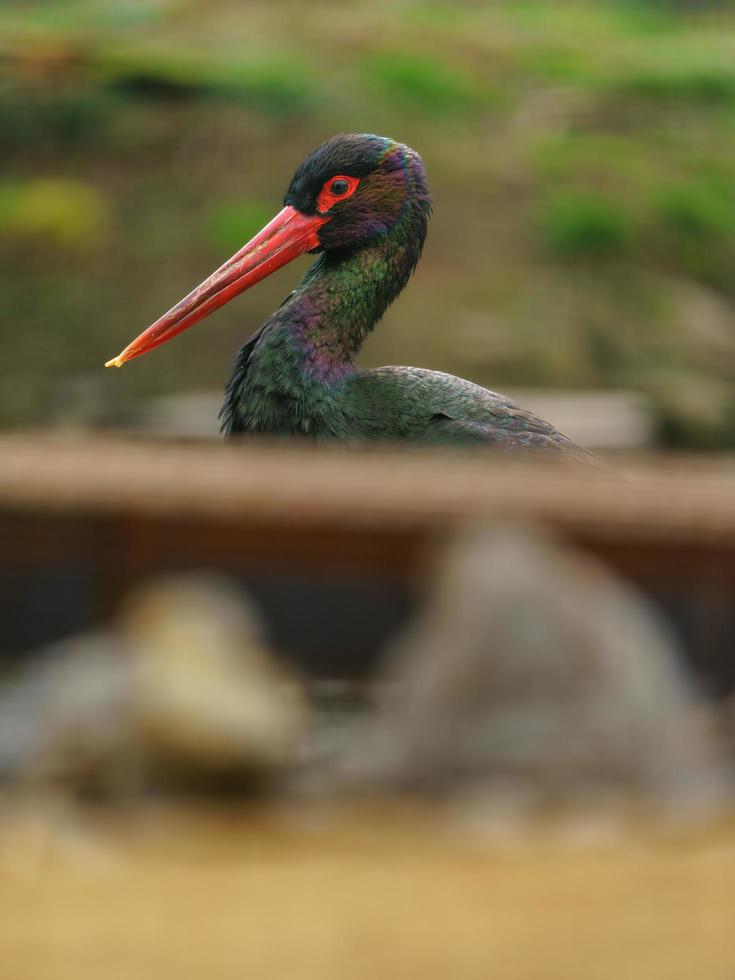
[{"x": 327, "y": 197}]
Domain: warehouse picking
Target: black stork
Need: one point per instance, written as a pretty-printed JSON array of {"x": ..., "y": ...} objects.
[{"x": 362, "y": 203}]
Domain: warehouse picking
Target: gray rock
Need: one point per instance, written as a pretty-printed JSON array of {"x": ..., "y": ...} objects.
[{"x": 533, "y": 668}]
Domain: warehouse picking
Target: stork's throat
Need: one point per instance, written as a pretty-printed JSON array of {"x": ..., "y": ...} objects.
[{"x": 340, "y": 300}]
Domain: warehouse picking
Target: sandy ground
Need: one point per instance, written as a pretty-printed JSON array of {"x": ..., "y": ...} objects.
[{"x": 387, "y": 891}]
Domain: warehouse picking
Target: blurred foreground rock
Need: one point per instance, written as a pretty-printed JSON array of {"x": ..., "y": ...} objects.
[
  {"x": 532, "y": 671},
  {"x": 180, "y": 692}
]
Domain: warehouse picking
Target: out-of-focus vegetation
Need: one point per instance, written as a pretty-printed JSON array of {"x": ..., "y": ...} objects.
[{"x": 581, "y": 156}]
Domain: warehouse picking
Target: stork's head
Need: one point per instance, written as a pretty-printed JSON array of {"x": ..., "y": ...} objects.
[{"x": 348, "y": 192}]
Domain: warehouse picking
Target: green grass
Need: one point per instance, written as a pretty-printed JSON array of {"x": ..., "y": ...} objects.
[
  {"x": 434, "y": 14},
  {"x": 579, "y": 224},
  {"x": 229, "y": 224},
  {"x": 76, "y": 15},
  {"x": 422, "y": 84},
  {"x": 699, "y": 210},
  {"x": 62, "y": 213},
  {"x": 558, "y": 64},
  {"x": 701, "y": 86},
  {"x": 274, "y": 85},
  {"x": 632, "y": 165},
  {"x": 31, "y": 116}
]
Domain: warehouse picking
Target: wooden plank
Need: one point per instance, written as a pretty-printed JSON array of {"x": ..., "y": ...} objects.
[{"x": 689, "y": 500}]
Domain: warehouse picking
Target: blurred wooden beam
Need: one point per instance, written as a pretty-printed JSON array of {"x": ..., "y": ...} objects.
[{"x": 686, "y": 500}]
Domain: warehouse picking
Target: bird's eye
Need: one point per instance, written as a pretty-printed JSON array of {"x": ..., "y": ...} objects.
[{"x": 334, "y": 190}]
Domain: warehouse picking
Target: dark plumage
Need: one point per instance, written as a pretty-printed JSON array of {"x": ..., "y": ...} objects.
[{"x": 297, "y": 374}]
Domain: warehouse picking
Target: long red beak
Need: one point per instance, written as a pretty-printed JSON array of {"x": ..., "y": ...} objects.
[{"x": 287, "y": 236}]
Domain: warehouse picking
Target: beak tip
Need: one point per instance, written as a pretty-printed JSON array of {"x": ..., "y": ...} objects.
[{"x": 115, "y": 362}]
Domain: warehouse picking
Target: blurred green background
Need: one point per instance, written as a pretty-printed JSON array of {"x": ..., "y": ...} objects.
[{"x": 581, "y": 158}]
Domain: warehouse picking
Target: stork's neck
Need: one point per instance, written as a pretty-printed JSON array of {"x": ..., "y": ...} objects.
[
  {"x": 341, "y": 298},
  {"x": 281, "y": 377}
]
